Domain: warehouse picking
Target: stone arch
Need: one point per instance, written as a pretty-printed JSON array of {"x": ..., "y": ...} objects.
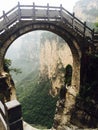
[
  {"x": 73, "y": 42},
  {"x": 25, "y": 27}
]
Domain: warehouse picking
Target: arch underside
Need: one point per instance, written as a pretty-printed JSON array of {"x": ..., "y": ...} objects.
[
  {"x": 20, "y": 28},
  {"x": 23, "y": 27}
]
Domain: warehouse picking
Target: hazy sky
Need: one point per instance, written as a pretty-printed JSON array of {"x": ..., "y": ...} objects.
[{"x": 6, "y": 5}]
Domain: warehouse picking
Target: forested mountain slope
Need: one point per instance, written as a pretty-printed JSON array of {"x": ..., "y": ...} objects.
[{"x": 37, "y": 105}]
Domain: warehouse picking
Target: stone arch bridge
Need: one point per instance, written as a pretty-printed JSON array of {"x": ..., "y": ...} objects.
[{"x": 25, "y": 18}]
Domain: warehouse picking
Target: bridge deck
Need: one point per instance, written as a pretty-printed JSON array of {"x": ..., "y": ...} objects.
[{"x": 44, "y": 13}]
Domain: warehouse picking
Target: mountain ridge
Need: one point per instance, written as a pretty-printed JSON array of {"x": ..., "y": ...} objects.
[{"x": 87, "y": 10}]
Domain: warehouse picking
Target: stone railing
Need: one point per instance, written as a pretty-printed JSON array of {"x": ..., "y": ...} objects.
[{"x": 44, "y": 13}]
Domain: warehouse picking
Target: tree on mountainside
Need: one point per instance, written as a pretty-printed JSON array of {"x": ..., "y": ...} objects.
[{"x": 8, "y": 68}]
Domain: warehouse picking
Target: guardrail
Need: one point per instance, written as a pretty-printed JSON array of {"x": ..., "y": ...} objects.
[{"x": 44, "y": 13}]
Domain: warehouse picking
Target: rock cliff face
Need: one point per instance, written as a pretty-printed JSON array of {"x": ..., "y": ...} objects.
[
  {"x": 55, "y": 55},
  {"x": 7, "y": 91},
  {"x": 87, "y": 10}
]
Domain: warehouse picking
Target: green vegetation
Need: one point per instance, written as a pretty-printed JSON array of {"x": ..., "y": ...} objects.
[
  {"x": 7, "y": 67},
  {"x": 7, "y": 64},
  {"x": 37, "y": 105}
]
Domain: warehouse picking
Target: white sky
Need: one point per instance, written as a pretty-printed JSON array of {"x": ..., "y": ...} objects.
[{"x": 6, "y": 5}]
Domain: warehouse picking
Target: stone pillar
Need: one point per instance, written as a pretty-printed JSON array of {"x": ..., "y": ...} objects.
[{"x": 14, "y": 115}]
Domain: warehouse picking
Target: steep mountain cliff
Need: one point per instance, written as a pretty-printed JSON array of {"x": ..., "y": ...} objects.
[
  {"x": 87, "y": 10},
  {"x": 55, "y": 55}
]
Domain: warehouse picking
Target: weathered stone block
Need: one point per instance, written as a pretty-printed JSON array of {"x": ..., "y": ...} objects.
[{"x": 13, "y": 110}]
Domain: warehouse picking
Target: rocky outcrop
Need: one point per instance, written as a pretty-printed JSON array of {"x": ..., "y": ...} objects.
[
  {"x": 54, "y": 57},
  {"x": 7, "y": 87}
]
